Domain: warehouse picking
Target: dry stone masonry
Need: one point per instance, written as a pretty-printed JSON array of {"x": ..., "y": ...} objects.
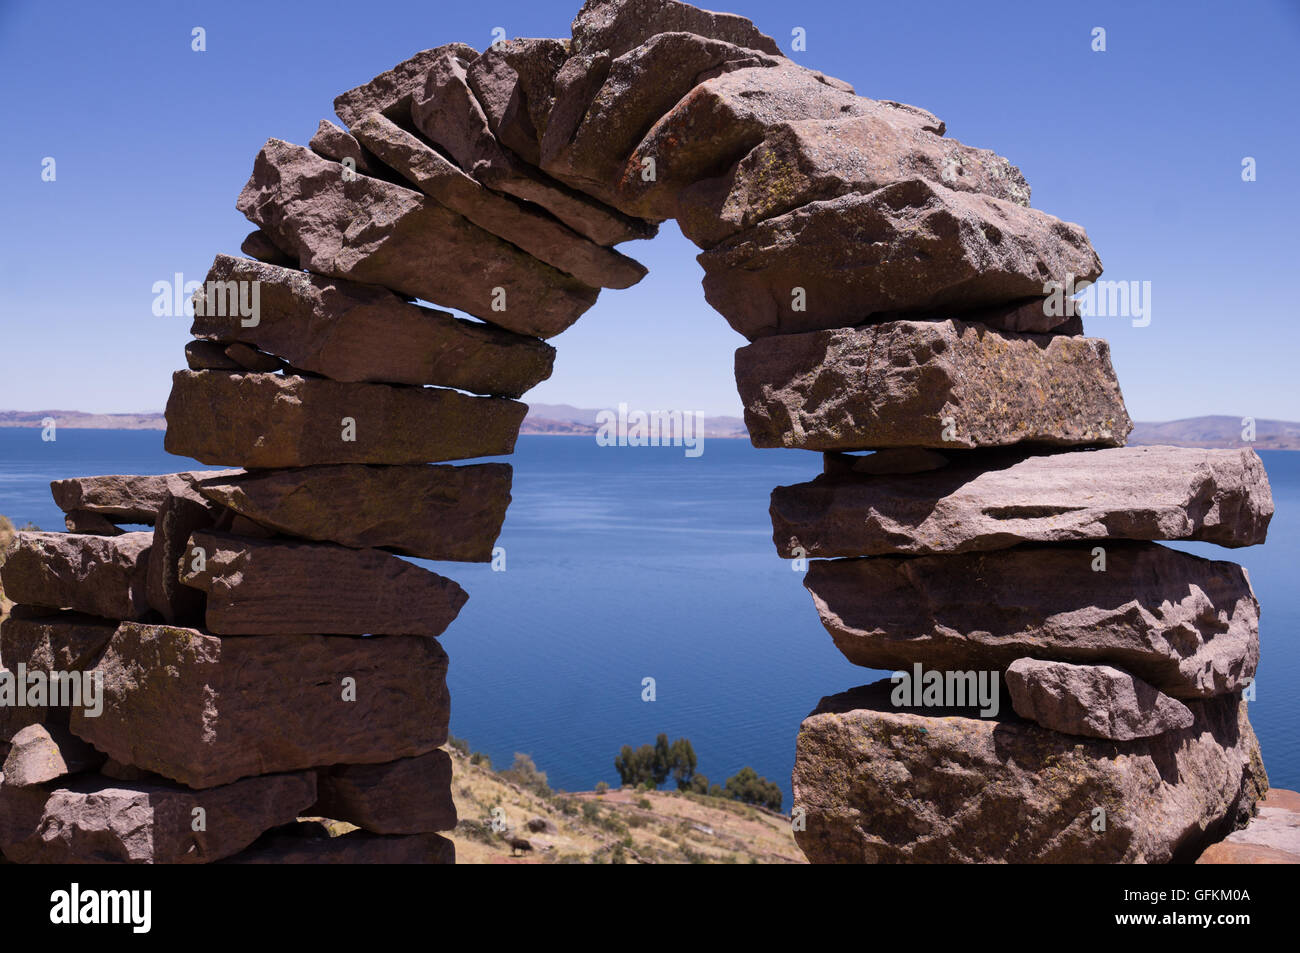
[{"x": 264, "y": 654}]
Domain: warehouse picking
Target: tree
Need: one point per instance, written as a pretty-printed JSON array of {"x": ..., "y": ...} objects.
[
  {"x": 662, "y": 764},
  {"x": 746, "y": 786},
  {"x": 681, "y": 757},
  {"x": 525, "y": 774}
]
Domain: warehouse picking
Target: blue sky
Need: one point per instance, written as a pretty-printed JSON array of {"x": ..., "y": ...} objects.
[{"x": 1141, "y": 144}]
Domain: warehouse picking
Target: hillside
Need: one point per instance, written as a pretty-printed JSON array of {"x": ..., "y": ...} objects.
[{"x": 619, "y": 826}]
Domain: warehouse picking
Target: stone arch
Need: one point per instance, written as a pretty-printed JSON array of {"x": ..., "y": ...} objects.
[{"x": 899, "y": 295}]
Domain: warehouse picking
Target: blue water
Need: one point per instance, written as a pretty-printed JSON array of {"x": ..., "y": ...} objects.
[{"x": 627, "y": 563}]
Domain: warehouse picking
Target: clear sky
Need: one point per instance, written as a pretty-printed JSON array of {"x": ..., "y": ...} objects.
[{"x": 1142, "y": 144}]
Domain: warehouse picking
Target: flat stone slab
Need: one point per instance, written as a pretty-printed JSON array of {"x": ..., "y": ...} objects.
[
  {"x": 525, "y": 226},
  {"x": 514, "y": 83},
  {"x": 369, "y": 230},
  {"x": 390, "y": 92},
  {"x": 257, "y": 587},
  {"x": 809, "y": 160},
  {"x": 938, "y": 384},
  {"x": 1271, "y": 837},
  {"x": 99, "y": 575},
  {"x": 410, "y": 796},
  {"x": 1100, "y": 701},
  {"x": 639, "y": 86},
  {"x": 913, "y": 246},
  {"x": 880, "y": 784},
  {"x": 448, "y": 113},
  {"x": 98, "y": 820},
  {"x": 268, "y": 420},
  {"x": 616, "y": 26},
  {"x": 47, "y": 641},
  {"x": 205, "y": 710},
  {"x": 354, "y": 847},
  {"x": 719, "y": 121},
  {"x": 432, "y": 512},
  {"x": 122, "y": 498},
  {"x": 354, "y": 332},
  {"x": 1188, "y": 626},
  {"x": 1145, "y": 493}
]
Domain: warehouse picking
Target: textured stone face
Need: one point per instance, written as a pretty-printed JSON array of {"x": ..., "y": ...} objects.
[
  {"x": 205, "y": 710},
  {"x": 1100, "y": 701},
  {"x": 331, "y": 142},
  {"x": 98, "y": 820},
  {"x": 286, "y": 587},
  {"x": 1215, "y": 496},
  {"x": 181, "y": 514},
  {"x": 616, "y": 26},
  {"x": 284, "y": 846},
  {"x": 41, "y": 753},
  {"x": 410, "y": 796},
  {"x": 121, "y": 498},
  {"x": 885, "y": 785},
  {"x": 47, "y": 641},
  {"x": 450, "y": 116},
  {"x": 941, "y": 384},
  {"x": 714, "y": 125},
  {"x": 913, "y": 246},
  {"x": 390, "y": 92},
  {"x": 99, "y": 575},
  {"x": 273, "y": 421},
  {"x": 433, "y": 512},
  {"x": 523, "y": 225},
  {"x": 808, "y": 160},
  {"x": 258, "y": 245},
  {"x": 369, "y": 230},
  {"x": 515, "y": 84},
  {"x": 1187, "y": 625},
  {"x": 639, "y": 87},
  {"x": 354, "y": 332}
]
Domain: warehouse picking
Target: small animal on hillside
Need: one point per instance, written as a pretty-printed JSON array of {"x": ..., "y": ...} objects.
[{"x": 519, "y": 846}]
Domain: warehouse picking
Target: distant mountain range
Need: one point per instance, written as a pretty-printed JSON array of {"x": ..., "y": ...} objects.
[{"x": 561, "y": 419}]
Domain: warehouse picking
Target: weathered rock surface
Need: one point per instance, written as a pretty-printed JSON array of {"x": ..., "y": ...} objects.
[
  {"x": 1271, "y": 837},
  {"x": 514, "y": 83},
  {"x": 1100, "y": 701},
  {"x": 639, "y": 87},
  {"x": 718, "y": 122},
  {"x": 90, "y": 524},
  {"x": 331, "y": 142},
  {"x": 355, "y": 847},
  {"x": 410, "y": 796},
  {"x": 100, "y": 575},
  {"x": 45, "y": 641},
  {"x": 283, "y": 587},
  {"x": 273, "y": 421},
  {"x": 450, "y": 116},
  {"x": 390, "y": 92},
  {"x": 121, "y": 498},
  {"x": 183, "y": 512},
  {"x": 258, "y": 245},
  {"x": 545, "y": 238},
  {"x": 915, "y": 383},
  {"x": 205, "y": 710},
  {"x": 883, "y": 785},
  {"x": 353, "y": 332},
  {"x": 209, "y": 356},
  {"x": 913, "y": 246},
  {"x": 365, "y": 229},
  {"x": 433, "y": 512},
  {"x": 1188, "y": 626},
  {"x": 99, "y": 820},
  {"x": 41, "y": 753},
  {"x": 809, "y": 160},
  {"x": 1214, "y": 496},
  {"x": 616, "y": 26}
]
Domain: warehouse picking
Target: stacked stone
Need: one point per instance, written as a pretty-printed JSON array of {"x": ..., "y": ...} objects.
[{"x": 891, "y": 282}]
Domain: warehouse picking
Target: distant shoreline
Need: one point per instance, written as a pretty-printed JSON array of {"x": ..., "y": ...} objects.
[{"x": 562, "y": 420}]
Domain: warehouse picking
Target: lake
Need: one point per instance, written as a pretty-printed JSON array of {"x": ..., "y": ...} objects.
[{"x": 627, "y": 563}]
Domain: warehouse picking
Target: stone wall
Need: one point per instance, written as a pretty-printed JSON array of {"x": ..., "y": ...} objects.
[{"x": 265, "y": 655}]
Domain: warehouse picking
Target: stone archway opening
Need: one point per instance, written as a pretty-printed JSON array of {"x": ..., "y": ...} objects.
[{"x": 900, "y": 296}]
